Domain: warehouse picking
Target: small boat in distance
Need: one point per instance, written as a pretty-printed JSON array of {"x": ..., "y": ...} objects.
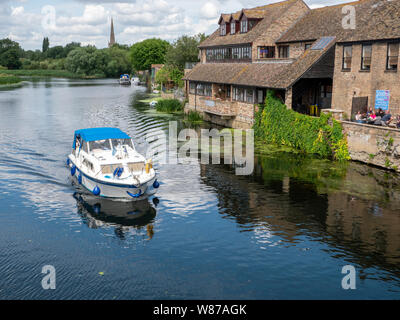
[
  {"x": 105, "y": 162},
  {"x": 125, "y": 80}
]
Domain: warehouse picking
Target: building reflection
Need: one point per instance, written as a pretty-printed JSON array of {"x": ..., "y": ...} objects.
[
  {"x": 351, "y": 207},
  {"x": 122, "y": 215}
]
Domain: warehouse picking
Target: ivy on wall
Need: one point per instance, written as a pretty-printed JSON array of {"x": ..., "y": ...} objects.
[{"x": 274, "y": 123}]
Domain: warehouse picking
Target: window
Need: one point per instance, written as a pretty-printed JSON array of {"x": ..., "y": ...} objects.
[
  {"x": 283, "y": 51},
  {"x": 99, "y": 145},
  {"x": 243, "y": 94},
  {"x": 223, "y": 29},
  {"x": 347, "y": 55},
  {"x": 233, "y": 27},
  {"x": 243, "y": 26},
  {"x": 307, "y": 46},
  {"x": 326, "y": 91},
  {"x": 122, "y": 142},
  {"x": 366, "y": 57},
  {"x": 266, "y": 52},
  {"x": 260, "y": 96},
  {"x": 250, "y": 95},
  {"x": 204, "y": 89},
  {"x": 85, "y": 146},
  {"x": 392, "y": 56},
  {"x": 192, "y": 88}
]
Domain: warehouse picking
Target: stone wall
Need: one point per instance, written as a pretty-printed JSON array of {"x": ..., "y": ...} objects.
[
  {"x": 233, "y": 114},
  {"x": 359, "y": 83},
  {"x": 374, "y": 145}
]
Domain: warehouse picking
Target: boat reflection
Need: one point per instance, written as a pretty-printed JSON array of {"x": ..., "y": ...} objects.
[{"x": 123, "y": 215}]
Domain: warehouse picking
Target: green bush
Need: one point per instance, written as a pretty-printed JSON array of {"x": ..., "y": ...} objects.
[
  {"x": 274, "y": 123},
  {"x": 194, "y": 116},
  {"x": 169, "y": 105}
]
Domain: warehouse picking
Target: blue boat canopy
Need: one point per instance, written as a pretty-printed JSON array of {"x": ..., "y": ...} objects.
[{"x": 96, "y": 134}]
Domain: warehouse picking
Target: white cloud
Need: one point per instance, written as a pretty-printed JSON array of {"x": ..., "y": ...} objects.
[
  {"x": 210, "y": 10},
  {"x": 88, "y": 21}
]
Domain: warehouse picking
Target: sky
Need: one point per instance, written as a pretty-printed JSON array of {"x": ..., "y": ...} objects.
[{"x": 88, "y": 21}]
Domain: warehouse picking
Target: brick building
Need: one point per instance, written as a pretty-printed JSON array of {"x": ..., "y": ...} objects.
[{"x": 307, "y": 55}]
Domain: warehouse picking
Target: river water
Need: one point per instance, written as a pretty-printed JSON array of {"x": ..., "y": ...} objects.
[{"x": 284, "y": 232}]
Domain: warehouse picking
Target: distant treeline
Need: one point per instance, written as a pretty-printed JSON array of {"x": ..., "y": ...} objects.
[{"x": 89, "y": 61}]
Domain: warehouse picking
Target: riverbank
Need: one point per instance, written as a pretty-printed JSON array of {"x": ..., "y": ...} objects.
[
  {"x": 6, "y": 80},
  {"x": 47, "y": 73}
]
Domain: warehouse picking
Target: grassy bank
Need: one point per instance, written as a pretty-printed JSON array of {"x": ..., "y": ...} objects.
[
  {"x": 169, "y": 106},
  {"x": 47, "y": 73},
  {"x": 6, "y": 79}
]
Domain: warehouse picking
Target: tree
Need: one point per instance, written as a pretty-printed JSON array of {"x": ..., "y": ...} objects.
[
  {"x": 169, "y": 74},
  {"x": 151, "y": 51},
  {"x": 10, "y": 54},
  {"x": 183, "y": 50},
  {"x": 119, "y": 61},
  {"x": 56, "y": 52},
  {"x": 45, "y": 45},
  {"x": 87, "y": 61}
]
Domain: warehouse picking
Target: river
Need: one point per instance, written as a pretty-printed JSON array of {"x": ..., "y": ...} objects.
[{"x": 284, "y": 232}]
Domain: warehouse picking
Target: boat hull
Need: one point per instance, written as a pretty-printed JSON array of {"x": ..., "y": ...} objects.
[{"x": 112, "y": 189}]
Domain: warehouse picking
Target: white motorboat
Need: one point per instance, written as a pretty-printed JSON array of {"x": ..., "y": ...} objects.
[
  {"x": 125, "y": 80},
  {"x": 135, "y": 81},
  {"x": 105, "y": 162}
]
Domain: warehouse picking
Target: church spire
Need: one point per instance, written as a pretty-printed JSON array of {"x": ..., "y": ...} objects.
[{"x": 112, "y": 36}]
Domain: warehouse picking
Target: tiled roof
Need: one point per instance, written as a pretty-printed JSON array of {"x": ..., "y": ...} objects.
[
  {"x": 268, "y": 14},
  {"x": 278, "y": 74},
  {"x": 375, "y": 19}
]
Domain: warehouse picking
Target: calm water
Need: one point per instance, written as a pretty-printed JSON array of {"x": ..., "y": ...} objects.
[{"x": 283, "y": 233}]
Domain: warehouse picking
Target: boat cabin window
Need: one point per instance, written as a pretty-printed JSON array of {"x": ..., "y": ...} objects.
[
  {"x": 85, "y": 146},
  {"x": 100, "y": 145},
  {"x": 122, "y": 142}
]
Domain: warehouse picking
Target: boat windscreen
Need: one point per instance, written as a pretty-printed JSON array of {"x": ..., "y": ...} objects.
[
  {"x": 122, "y": 142},
  {"x": 99, "y": 145}
]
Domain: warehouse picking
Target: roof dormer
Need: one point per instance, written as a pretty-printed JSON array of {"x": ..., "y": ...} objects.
[{"x": 224, "y": 26}]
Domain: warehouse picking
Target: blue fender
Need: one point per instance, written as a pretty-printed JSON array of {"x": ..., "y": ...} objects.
[
  {"x": 68, "y": 162},
  {"x": 137, "y": 195},
  {"x": 73, "y": 170},
  {"x": 156, "y": 184},
  {"x": 96, "y": 191},
  {"x": 80, "y": 178}
]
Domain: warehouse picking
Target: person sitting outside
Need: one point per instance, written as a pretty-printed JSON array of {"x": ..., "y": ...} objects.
[
  {"x": 369, "y": 112},
  {"x": 387, "y": 118},
  {"x": 372, "y": 117},
  {"x": 380, "y": 113},
  {"x": 359, "y": 117}
]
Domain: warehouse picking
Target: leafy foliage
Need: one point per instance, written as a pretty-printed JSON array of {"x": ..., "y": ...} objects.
[
  {"x": 183, "y": 50},
  {"x": 10, "y": 53},
  {"x": 45, "y": 44},
  {"x": 275, "y": 123},
  {"x": 151, "y": 51},
  {"x": 170, "y": 74}
]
